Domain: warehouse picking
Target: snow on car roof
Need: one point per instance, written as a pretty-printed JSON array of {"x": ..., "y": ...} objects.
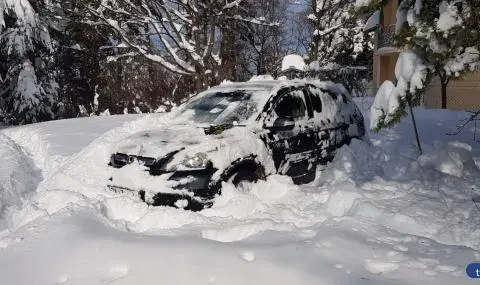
[
  {"x": 263, "y": 89},
  {"x": 293, "y": 61},
  {"x": 260, "y": 84},
  {"x": 271, "y": 84}
]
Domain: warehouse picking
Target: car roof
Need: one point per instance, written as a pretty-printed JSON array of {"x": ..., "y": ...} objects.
[
  {"x": 264, "y": 84},
  {"x": 264, "y": 89},
  {"x": 277, "y": 84}
]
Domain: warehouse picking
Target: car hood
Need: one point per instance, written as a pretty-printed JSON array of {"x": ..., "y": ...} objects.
[
  {"x": 187, "y": 140},
  {"x": 159, "y": 142}
]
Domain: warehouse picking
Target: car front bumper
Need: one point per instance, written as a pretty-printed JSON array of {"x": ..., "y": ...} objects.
[{"x": 192, "y": 189}]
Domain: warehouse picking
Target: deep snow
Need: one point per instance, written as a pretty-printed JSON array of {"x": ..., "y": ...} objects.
[{"x": 378, "y": 214}]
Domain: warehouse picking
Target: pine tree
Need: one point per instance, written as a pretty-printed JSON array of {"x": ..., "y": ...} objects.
[
  {"x": 27, "y": 88},
  {"x": 444, "y": 34},
  {"x": 439, "y": 38},
  {"x": 78, "y": 55}
]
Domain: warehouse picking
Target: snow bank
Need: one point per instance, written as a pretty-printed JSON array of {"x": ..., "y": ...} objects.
[
  {"x": 375, "y": 213},
  {"x": 453, "y": 158},
  {"x": 357, "y": 204},
  {"x": 429, "y": 197},
  {"x": 50, "y": 144},
  {"x": 18, "y": 176}
]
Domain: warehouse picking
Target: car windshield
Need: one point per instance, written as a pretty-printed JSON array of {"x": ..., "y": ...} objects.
[{"x": 218, "y": 108}]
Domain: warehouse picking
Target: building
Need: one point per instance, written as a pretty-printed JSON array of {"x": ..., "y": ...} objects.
[{"x": 461, "y": 94}]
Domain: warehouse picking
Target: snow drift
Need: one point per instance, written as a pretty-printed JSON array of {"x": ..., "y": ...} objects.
[
  {"x": 18, "y": 175},
  {"x": 377, "y": 213}
]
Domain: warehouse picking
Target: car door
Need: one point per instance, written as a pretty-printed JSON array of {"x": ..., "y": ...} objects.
[
  {"x": 330, "y": 128},
  {"x": 291, "y": 135}
]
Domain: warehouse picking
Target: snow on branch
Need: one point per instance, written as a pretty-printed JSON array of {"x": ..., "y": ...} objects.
[
  {"x": 390, "y": 101},
  {"x": 179, "y": 35},
  {"x": 232, "y": 4}
]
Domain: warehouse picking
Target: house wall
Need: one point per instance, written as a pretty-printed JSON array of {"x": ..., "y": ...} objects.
[
  {"x": 385, "y": 59},
  {"x": 390, "y": 12},
  {"x": 384, "y": 67},
  {"x": 462, "y": 94}
]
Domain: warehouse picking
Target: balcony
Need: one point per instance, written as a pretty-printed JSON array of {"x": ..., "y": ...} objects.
[{"x": 385, "y": 36}]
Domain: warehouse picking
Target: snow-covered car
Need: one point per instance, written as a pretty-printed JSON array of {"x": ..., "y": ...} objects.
[{"x": 236, "y": 133}]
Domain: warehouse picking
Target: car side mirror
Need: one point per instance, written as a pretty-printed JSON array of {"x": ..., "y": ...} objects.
[{"x": 283, "y": 124}]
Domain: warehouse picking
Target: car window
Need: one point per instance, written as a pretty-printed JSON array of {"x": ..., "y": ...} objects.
[
  {"x": 291, "y": 105},
  {"x": 315, "y": 99},
  {"x": 222, "y": 107}
]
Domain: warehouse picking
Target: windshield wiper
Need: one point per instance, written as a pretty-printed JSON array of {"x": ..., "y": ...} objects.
[{"x": 218, "y": 129}]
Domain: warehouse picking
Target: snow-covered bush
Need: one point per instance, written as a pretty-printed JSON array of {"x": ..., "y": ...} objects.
[
  {"x": 384, "y": 108},
  {"x": 392, "y": 100}
]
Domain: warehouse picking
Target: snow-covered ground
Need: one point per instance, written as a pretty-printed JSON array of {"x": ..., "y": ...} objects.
[{"x": 378, "y": 214}]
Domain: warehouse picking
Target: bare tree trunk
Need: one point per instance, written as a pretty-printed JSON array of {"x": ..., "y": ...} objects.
[
  {"x": 228, "y": 54},
  {"x": 200, "y": 81},
  {"x": 415, "y": 127},
  {"x": 261, "y": 65}
]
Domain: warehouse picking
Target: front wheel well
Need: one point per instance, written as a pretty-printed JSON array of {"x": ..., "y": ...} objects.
[{"x": 250, "y": 163}]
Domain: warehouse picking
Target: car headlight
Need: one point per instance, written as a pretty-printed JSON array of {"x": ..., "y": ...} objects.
[{"x": 199, "y": 160}]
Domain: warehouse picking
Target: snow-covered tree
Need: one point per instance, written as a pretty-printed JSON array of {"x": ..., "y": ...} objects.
[
  {"x": 444, "y": 34},
  {"x": 27, "y": 89},
  {"x": 440, "y": 39},
  {"x": 188, "y": 37},
  {"x": 337, "y": 32},
  {"x": 263, "y": 45},
  {"x": 130, "y": 84},
  {"x": 391, "y": 101},
  {"x": 80, "y": 50},
  {"x": 181, "y": 35},
  {"x": 339, "y": 49}
]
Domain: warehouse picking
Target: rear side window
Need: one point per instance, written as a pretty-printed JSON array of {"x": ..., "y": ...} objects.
[
  {"x": 316, "y": 100},
  {"x": 291, "y": 105}
]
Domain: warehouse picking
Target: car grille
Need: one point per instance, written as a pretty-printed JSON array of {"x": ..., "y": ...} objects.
[{"x": 119, "y": 160}]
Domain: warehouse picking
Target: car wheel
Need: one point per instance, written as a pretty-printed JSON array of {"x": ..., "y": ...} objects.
[{"x": 244, "y": 178}]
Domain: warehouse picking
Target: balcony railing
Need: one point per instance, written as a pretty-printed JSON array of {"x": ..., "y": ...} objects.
[{"x": 385, "y": 36}]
